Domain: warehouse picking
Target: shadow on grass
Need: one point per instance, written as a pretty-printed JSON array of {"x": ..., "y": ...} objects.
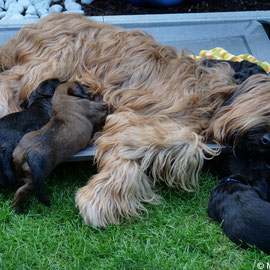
[{"x": 67, "y": 178}]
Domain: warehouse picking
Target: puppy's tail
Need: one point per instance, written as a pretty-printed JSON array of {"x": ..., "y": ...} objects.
[{"x": 37, "y": 165}]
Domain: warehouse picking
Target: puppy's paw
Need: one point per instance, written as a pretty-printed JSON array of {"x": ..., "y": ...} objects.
[{"x": 19, "y": 210}]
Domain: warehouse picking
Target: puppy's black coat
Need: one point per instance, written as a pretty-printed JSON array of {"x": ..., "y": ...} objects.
[
  {"x": 15, "y": 125},
  {"x": 243, "y": 211},
  {"x": 241, "y": 199},
  {"x": 37, "y": 112},
  {"x": 9, "y": 138},
  {"x": 243, "y": 69},
  {"x": 256, "y": 170}
]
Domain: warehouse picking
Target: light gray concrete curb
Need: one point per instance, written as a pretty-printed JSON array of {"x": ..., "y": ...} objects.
[
  {"x": 165, "y": 18},
  {"x": 189, "y": 18}
]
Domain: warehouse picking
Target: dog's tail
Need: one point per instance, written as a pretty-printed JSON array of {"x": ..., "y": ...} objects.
[{"x": 37, "y": 166}]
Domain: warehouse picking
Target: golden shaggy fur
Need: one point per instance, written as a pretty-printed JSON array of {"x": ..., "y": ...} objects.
[{"x": 165, "y": 107}]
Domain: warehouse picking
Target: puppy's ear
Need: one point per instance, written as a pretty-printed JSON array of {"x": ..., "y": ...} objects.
[
  {"x": 47, "y": 88},
  {"x": 77, "y": 90}
]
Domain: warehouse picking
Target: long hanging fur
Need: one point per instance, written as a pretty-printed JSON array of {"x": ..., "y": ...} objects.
[{"x": 162, "y": 106}]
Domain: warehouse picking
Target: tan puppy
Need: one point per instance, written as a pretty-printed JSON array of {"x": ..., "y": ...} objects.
[{"x": 74, "y": 119}]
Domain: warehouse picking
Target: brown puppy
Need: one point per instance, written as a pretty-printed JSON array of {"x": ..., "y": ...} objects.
[{"x": 74, "y": 119}]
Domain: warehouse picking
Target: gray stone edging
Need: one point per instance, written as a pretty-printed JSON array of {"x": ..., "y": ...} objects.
[{"x": 164, "y": 18}]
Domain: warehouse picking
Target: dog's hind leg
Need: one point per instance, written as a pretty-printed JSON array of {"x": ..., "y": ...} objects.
[
  {"x": 8, "y": 173},
  {"x": 7, "y": 176},
  {"x": 37, "y": 165},
  {"x": 21, "y": 196},
  {"x": 130, "y": 147},
  {"x": 2, "y": 180}
]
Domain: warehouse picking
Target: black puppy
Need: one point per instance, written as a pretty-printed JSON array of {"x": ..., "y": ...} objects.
[
  {"x": 243, "y": 69},
  {"x": 241, "y": 199},
  {"x": 15, "y": 125},
  {"x": 256, "y": 169},
  {"x": 246, "y": 155},
  {"x": 243, "y": 211}
]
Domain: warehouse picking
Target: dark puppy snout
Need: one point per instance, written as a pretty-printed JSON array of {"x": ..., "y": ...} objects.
[{"x": 265, "y": 139}]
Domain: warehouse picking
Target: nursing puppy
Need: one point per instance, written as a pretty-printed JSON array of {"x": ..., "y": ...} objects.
[
  {"x": 74, "y": 120},
  {"x": 241, "y": 204},
  {"x": 243, "y": 70},
  {"x": 15, "y": 125},
  {"x": 241, "y": 199}
]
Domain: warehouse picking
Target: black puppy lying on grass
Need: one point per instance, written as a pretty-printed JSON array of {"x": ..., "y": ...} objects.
[
  {"x": 14, "y": 126},
  {"x": 241, "y": 200},
  {"x": 243, "y": 212}
]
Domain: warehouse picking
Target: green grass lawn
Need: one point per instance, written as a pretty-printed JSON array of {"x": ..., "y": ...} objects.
[{"x": 175, "y": 235}]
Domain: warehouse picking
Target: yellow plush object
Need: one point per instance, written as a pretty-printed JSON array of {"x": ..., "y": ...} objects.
[{"x": 221, "y": 54}]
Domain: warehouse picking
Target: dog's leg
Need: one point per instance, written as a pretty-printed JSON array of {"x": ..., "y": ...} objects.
[
  {"x": 115, "y": 192},
  {"x": 32, "y": 167},
  {"x": 38, "y": 166},
  {"x": 129, "y": 147},
  {"x": 7, "y": 171},
  {"x": 22, "y": 195},
  {"x": 7, "y": 177}
]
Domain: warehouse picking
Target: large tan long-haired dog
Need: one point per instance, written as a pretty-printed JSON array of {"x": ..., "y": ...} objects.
[{"x": 165, "y": 108}]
